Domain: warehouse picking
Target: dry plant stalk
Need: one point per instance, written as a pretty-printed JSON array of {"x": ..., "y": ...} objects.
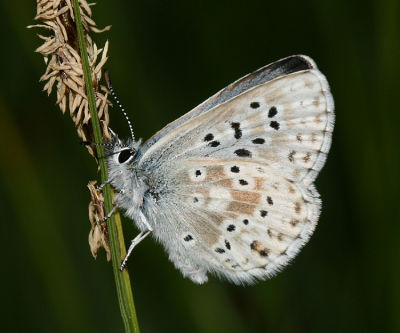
[{"x": 64, "y": 70}]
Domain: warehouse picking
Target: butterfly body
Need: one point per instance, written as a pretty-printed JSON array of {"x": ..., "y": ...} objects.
[{"x": 228, "y": 187}]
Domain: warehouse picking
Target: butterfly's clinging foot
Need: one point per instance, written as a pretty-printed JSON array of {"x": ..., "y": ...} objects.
[
  {"x": 105, "y": 218},
  {"x": 134, "y": 242},
  {"x": 101, "y": 186}
]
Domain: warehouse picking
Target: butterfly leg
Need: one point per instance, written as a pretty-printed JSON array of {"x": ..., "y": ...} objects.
[
  {"x": 142, "y": 235},
  {"x": 110, "y": 213},
  {"x": 134, "y": 242},
  {"x": 101, "y": 186}
]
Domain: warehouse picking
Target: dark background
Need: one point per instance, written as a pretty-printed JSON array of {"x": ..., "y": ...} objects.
[{"x": 165, "y": 58}]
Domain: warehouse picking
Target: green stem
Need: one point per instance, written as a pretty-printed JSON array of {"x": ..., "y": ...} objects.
[{"x": 114, "y": 226}]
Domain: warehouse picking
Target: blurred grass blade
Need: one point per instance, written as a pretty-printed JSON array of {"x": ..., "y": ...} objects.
[{"x": 43, "y": 240}]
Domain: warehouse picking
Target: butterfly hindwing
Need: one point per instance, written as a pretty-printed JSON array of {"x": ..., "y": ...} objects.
[{"x": 240, "y": 219}]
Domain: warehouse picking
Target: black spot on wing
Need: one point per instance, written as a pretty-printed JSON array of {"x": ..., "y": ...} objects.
[
  {"x": 188, "y": 238},
  {"x": 209, "y": 137},
  {"x": 243, "y": 152},
  {"x": 258, "y": 141},
  {"x": 214, "y": 143},
  {"x": 238, "y": 131},
  {"x": 231, "y": 228},
  {"x": 274, "y": 124},
  {"x": 272, "y": 112},
  {"x": 254, "y": 105}
]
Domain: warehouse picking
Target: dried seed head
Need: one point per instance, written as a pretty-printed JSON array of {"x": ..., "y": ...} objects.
[
  {"x": 64, "y": 71},
  {"x": 98, "y": 236},
  {"x": 64, "y": 66}
]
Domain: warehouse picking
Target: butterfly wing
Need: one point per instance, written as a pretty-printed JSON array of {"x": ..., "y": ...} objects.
[
  {"x": 237, "y": 218},
  {"x": 249, "y": 156},
  {"x": 287, "y": 122},
  {"x": 267, "y": 73}
]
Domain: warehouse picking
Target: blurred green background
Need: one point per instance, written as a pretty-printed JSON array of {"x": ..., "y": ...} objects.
[{"x": 165, "y": 58}]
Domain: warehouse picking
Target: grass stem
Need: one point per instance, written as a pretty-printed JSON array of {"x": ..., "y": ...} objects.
[{"x": 114, "y": 226}]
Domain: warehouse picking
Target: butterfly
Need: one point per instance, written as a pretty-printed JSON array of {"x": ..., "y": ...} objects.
[{"x": 227, "y": 188}]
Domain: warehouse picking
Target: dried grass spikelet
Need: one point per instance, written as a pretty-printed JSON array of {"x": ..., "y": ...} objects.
[
  {"x": 64, "y": 66},
  {"x": 64, "y": 71},
  {"x": 98, "y": 236}
]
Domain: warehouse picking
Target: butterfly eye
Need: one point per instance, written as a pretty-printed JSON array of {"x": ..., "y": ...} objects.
[{"x": 125, "y": 155}]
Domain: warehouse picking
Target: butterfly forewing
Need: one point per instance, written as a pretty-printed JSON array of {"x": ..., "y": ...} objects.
[
  {"x": 286, "y": 122},
  {"x": 267, "y": 73}
]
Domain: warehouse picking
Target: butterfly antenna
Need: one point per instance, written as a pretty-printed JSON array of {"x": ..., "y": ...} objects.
[
  {"x": 90, "y": 143},
  {"x": 108, "y": 81}
]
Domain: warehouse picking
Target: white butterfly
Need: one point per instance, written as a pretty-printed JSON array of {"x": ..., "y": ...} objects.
[{"x": 228, "y": 187}]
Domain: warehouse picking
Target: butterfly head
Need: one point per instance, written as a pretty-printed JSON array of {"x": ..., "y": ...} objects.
[
  {"x": 125, "y": 155},
  {"x": 122, "y": 157},
  {"x": 121, "y": 152}
]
